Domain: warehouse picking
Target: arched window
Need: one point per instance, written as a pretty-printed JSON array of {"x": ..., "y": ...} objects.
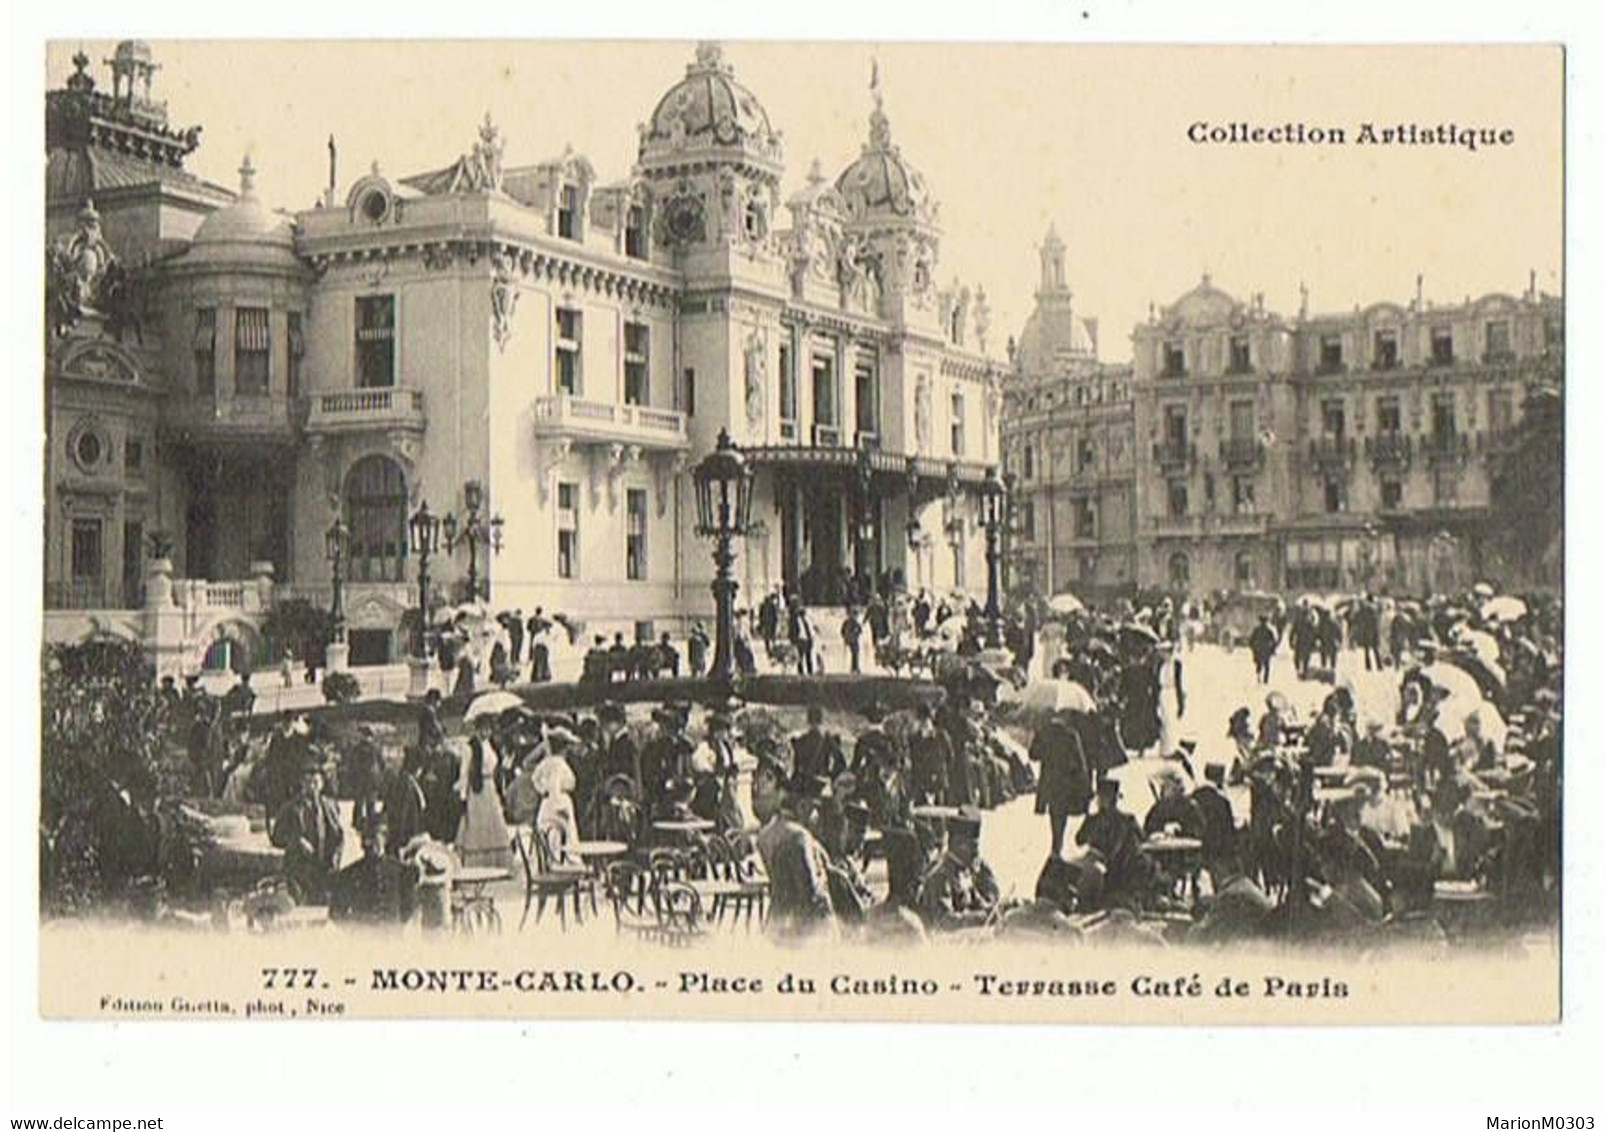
[
  {"x": 1243, "y": 570},
  {"x": 376, "y": 514},
  {"x": 1180, "y": 571}
]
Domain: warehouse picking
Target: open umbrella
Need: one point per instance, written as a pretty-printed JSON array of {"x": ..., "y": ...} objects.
[
  {"x": 1504, "y": 608},
  {"x": 1056, "y": 695},
  {"x": 1488, "y": 674},
  {"x": 1453, "y": 679},
  {"x": 492, "y": 703},
  {"x": 1065, "y": 603},
  {"x": 1453, "y": 713},
  {"x": 1483, "y": 589}
]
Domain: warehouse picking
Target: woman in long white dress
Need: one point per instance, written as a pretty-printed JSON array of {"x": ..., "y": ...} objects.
[
  {"x": 555, "y": 821},
  {"x": 482, "y": 837}
]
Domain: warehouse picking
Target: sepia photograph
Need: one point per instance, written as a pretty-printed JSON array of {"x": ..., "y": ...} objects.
[{"x": 802, "y": 530}]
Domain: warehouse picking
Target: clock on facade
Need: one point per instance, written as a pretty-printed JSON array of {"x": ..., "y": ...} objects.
[{"x": 682, "y": 218}]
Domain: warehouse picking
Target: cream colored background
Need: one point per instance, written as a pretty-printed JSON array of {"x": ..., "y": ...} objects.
[{"x": 1009, "y": 138}]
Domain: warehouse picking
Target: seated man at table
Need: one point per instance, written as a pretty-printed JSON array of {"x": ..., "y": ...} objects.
[
  {"x": 798, "y": 869},
  {"x": 1239, "y": 909},
  {"x": 1118, "y": 840},
  {"x": 307, "y": 828},
  {"x": 378, "y": 888},
  {"x": 961, "y": 891},
  {"x": 817, "y": 753},
  {"x": 1215, "y": 809},
  {"x": 1174, "y": 812}
]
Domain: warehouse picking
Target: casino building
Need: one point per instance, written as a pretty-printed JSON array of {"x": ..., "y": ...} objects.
[
  {"x": 1242, "y": 450},
  {"x": 224, "y": 380}
]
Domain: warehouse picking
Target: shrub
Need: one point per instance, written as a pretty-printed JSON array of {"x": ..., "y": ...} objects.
[
  {"x": 341, "y": 688},
  {"x": 100, "y": 763},
  {"x": 297, "y": 625}
]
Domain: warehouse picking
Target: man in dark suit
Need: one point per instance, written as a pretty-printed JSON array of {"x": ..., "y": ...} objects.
[
  {"x": 1064, "y": 786},
  {"x": 307, "y": 828},
  {"x": 818, "y": 753},
  {"x": 1118, "y": 840},
  {"x": 961, "y": 891},
  {"x": 796, "y": 863},
  {"x": 378, "y": 888},
  {"x": 1220, "y": 826}
]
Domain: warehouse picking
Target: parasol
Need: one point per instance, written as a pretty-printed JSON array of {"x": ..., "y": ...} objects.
[
  {"x": 1453, "y": 679},
  {"x": 1483, "y": 590},
  {"x": 1489, "y": 675},
  {"x": 1453, "y": 713},
  {"x": 1504, "y": 608},
  {"x": 492, "y": 703},
  {"x": 1065, "y": 603},
  {"x": 1056, "y": 695}
]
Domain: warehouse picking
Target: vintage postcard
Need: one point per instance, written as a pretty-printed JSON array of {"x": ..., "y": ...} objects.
[{"x": 802, "y": 531}]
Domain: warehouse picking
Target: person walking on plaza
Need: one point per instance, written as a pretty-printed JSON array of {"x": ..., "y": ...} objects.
[
  {"x": 540, "y": 653},
  {"x": 852, "y": 636},
  {"x": 696, "y": 645},
  {"x": 482, "y": 837},
  {"x": 1064, "y": 784},
  {"x": 801, "y": 633},
  {"x": 1262, "y": 642}
]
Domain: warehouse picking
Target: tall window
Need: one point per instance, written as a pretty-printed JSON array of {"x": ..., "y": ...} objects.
[
  {"x": 1331, "y": 359},
  {"x": 376, "y": 513},
  {"x": 1241, "y": 420},
  {"x": 1243, "y": 570},
  {"x": 295, "y": 350},
  {"x": 1176, "y": 498},
  {"x": 1501, "y": 411},
  {"x": 1334, "y": 420},
  {"x": 1242, "y": 495},
  {"x": 824, "y": 390},
  {"x": 637, "y": 358},
  {"x": 1239, "y": 360},
  {"x": 1392, "y": 493},
  {"x": 1028, "y": 462},
  {"x": 251, "y": 351},
  {"x": 568, "y": 530},
  {"x": 1389, "y": 421},
  {"x": 376, "y": 341},
  {"x": 1443, "y": 346},
  {"x": 867, "y": 395},
  {"x": 570, "y": 335},
  {"x": 206, "y": 351},
  {"x": 788, "y": 384},
  {"x": 1334, "y": 499},
  {"x": 1028, "y": 521},
  {"x": 1086, "y": 518},
  {"x": 688, "y": 391},
  {"x": 956, "y": 423},
  {"x": 1173, "y": 360},
  {"x": 88, "y": 552},
  {"x": 1180, "y": 570},
  {"x": 1443, "y": 416},
  {"x": 1385, "y": 349},
  {"x": 1445, "y": 486},
  {"x": 1086, "y": 454},
  {"x": 568, "y": 213},
  {"x": 1176, "y": 426},
  {"x": 635, "y": 534},
  {"x": 1496, "y": 345},
  {"x": 635, "y": 232}
]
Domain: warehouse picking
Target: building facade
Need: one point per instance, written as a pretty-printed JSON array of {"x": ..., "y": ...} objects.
[
  {"x": 561, "y": 348},
  {"x": 1322, "y": 452}
]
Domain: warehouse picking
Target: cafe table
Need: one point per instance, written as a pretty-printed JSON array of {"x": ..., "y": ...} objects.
[
  {"x": 473, "y": 907},
  {"x": 936, "y": 813}
]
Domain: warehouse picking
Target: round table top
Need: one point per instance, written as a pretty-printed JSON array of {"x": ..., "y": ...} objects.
[
  {"x": 934, "y": 811},
  {"x": 689, "y": 825},
  {"x": 600, "y": 848},
  {"x": 479, "y": 874},
  {"x": 1172, "y": 845},
  {"x": 1335, "y": 773},
  {"x": 1460, "y": 891}
]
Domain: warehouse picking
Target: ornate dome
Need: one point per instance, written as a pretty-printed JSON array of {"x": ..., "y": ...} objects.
[
  {"x": 1205, "y": 305},
  {"x": 245, "y": 231},
  {"x": 709, "y": 109},
  {"x": 881, "y": 185}
]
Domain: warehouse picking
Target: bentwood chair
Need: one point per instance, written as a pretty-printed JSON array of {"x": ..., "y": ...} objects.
[{"x": 542, "y": 882}]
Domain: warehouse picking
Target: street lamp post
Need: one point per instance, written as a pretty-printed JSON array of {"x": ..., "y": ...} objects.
[
  {"x": 476, "y": 531},
  {"x": 1010, "y": 528},
  {"x": 424, "y": 533},
  {"x": 724, "y": 513},
  {"x": 992, "y": 506},
  {"x": 337, "y": 542}
]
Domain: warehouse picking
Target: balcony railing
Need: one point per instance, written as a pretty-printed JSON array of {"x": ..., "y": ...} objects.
[
  {"x": 1177, "y": 524},
  {"x": 1172, "y": 454},
  {"x": 228, "y": 415},
  {"x": 1332, "y": 453},
  {"x": 355, "y": 410},
  {"x": 1242, "y": 453},
  {"x": 1446, "y": 447},
  {"x": 1239, "y": 523},
  {"x": 1388, "y": 450},
  {"x": 560, "y": 414}
]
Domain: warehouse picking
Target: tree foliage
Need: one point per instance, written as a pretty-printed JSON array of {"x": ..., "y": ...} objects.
[
  {"x": 100, "y": 768},
  {"x": 1527, "y": 491},
  {"x": 297, "y": 625}
]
